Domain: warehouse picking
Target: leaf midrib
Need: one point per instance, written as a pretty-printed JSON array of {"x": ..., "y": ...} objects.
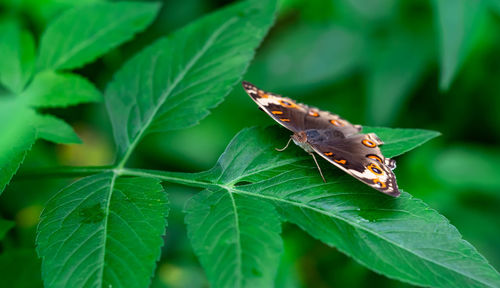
[
  {"x": 105, "y": 229},
  {"x": 238, "y": 240},
  {"x": 174, "y": 84}
]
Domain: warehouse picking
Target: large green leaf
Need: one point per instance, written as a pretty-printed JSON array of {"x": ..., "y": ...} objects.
[
  {"x": 51, "y": 89},
  {"x": 174, "y": 82},
  {"x": 402, "y": 238},
  {"x": 103, "y": 231},
  {"x": 84, "y": 33},
  {"x": 236, "y": 238},
  {"x": 457, "y": 23},
  {"x": 17, "y": 55}
]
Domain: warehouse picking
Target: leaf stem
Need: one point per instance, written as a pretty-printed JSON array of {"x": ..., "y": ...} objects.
[
  {"x": 188, "y": 179},
  {"x": 63, "y": 171}
]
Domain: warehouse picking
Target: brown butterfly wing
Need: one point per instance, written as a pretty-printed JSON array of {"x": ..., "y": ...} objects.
[
  {"x": 296, "y": 116},
  {"x": 359, "y": 156},
  {"x": 283, "y": 110},
  {"x": 319, "y": 119}
]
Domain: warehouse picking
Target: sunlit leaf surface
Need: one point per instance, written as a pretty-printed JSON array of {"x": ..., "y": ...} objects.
[{"x": 52, "y": 89}]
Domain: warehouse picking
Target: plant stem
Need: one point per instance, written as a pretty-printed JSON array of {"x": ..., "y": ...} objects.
[
  {"x": 187, "y": 179},
  {"x": 63, "y": 171}
]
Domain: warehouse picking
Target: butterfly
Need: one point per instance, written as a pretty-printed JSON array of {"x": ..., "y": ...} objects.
[{"x": 331, "y": 137}]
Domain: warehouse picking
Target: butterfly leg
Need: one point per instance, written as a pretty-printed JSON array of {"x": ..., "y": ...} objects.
[
  {"x": 286, "y": 146},
  {"x": 317, "y": 165}
]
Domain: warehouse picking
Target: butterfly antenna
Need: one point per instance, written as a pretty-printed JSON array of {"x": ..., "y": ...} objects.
[
  {"x": 286, "y": 146},
  {"x": 319, "y": 169}
]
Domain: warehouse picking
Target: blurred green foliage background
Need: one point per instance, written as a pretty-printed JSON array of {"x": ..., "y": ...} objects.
[{"x": 395, "y": 63}]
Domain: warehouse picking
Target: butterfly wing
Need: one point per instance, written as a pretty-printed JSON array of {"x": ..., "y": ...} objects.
[
  {"x": 283, "y": 110},
  {"x": 359, "y": 156},
  {"x": 296, "y": 116}
]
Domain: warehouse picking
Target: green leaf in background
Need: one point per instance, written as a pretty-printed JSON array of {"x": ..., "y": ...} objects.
[
  {"x": 481, "y": 172},
  {"x": 307, "y": 56},
  {"x": 52, "y": 89},
  {"x": 16, "y": 137},
  {"x": 398, "y": 141},
  {"x": 55, "y": 130},
  {"x": 392, "y": 73},
  {"x": 5, "y": 226},
  {"x": 173, "y": 83},
  {"x": 494, "y": 5},
  {"x": 17, "y": 55},
  {"x": 103, "y": 231},
  {"x": 84, "y": 33},
  {"x": 401, "y": 238},
  {"x": 236, "y": 238},
  {"x": 457, "y": 24}
]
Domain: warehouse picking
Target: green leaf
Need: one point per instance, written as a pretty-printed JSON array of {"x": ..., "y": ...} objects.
[
  {"x": 173, "y": 83},
  {"x": 393, "y": 73},
  {"x": 483, "y": 176},
  {"x": 494, "y": 5},
  {"x": 52, "y": 89},
  {"x": 16, "y": 138},
  {"x": 306, "y": 56},
  {"x": 17, "y": 55},
  {"x": 236, "y": 238},
  {"x": 402, "y": 238},
  {"x": 84, "y": 33},
  {"x": 55, "y": 130},
  {"x": 5, "y": 226},
  {"x": 457, "y": 21},
  {"x": 102, "y": 231},
  {"x": 399, "y": 141}
]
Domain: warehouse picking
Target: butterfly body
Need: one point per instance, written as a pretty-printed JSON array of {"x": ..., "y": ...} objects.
[{"x": 331, "y": 137}]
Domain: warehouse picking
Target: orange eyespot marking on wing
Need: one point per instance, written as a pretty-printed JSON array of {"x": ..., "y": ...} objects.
[
  {"x": 262, "y": 94},
  {"x": 380, "y": 183},
  {"x": 341, "y": 161},
  {"x": 369, "y": 143},
  {"x": 313, "y": 113},
  {"x": 285, "y": 119},
  {"x": 277, "y": 112},
  {"x": 328, "y": 153},
  {"x": 288, "y": 104},
  {"x": 375, "y": 157},
  {"x": 337, "y": 123},
  {"x": 375, "y": 169}
]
